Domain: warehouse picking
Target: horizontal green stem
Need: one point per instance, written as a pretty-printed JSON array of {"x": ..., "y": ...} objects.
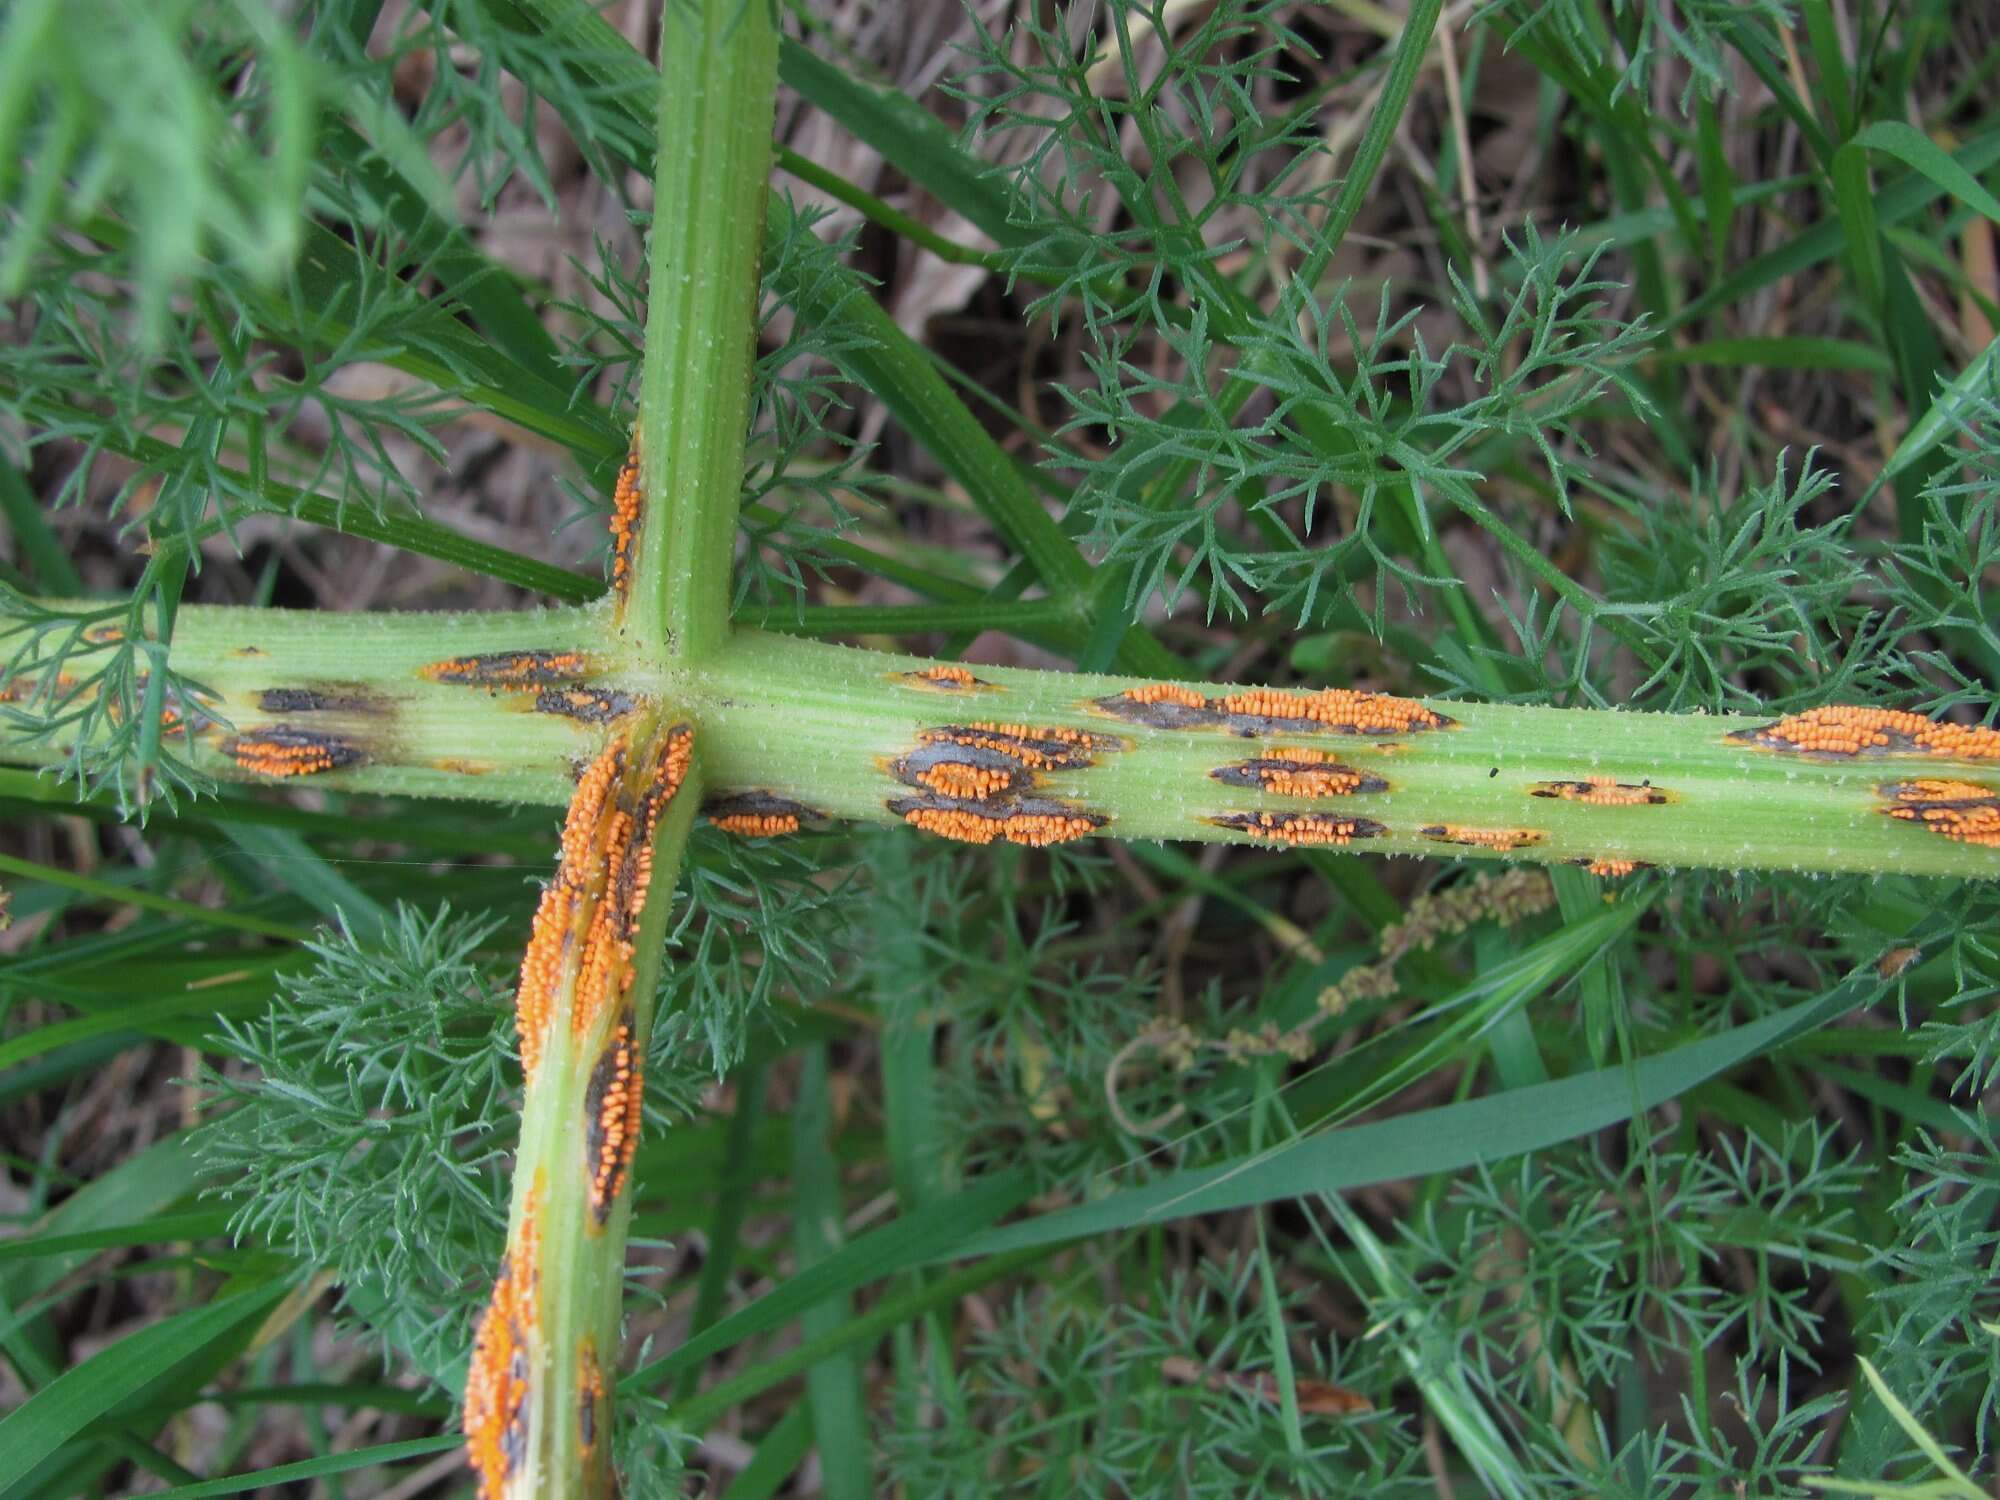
[{"x": 821, "y": 725}]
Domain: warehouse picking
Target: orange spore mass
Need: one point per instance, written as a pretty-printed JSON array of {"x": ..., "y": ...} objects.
[
  {"x": 1301, "y": 828},
  {"x": 615, "y": 1098},
  {"x": 497, "y": 1385},
  {"x": 1177, "y": 693},
  {"x": 1036, "y": 830},
  {"x": 625, "y": 517},
  {"x": 1961, "y": 811},
  {"x": 757, "y": 825},
  {"x": 1846, "y": 729},
  {"x": 1345, "y": 710}
]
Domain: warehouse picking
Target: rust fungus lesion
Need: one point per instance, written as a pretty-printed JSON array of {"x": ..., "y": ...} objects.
[
  {"x": 591, "y": 1412},
  {"x": 626, "y": 497},
  {"x": 1161, "y": 705},
  {"x": 970, "y": 773},
  {"x": 498, "y": 1383},
  {"x": 613, "y": 1103},
  {"x": 944, "y": 677},
  {"x": 500, "y": 670},
  {"x": 286, "y": 750},
  {"x": 1603, "y": 791},
  {"x": 1962, "y": 811},
  {"x": 1299, "y": 772},
  {"x": 586, "y": 705},
  {"x": 1847, "y": 730},
  {"x": 317, "y": 700},
  {"x": 1305, "y": 829},
  {"x": 758, "y": 815},
  {"x": 1499, "y": 840},
  {"x": 589, "y": 911},
  {"x": 1035, "y": 823},
  {"x": 1035, "y": 747},
  {"x": 1607, "y": 867},
  {"x": 1258, "y": 711}
]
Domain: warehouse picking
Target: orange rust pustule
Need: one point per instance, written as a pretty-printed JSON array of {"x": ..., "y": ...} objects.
[
  {"x": 1038, "y": 748},
  {"x": 1311, "y": 828},
  {"x": 758, "y": 815},
  {"x": 286, "y": 750},
  {"x": 1498, "y": 839},
  {"x": 498, "y": 1384},
  {"x": 495, "y": 670},
  {"x": 1299, "y": 773},
  {"x": 1843, "y": 730},
  {"x": 625, "y": 499},
  {"x": 1602, "y": 791},
  {"x": 1961, "y": 811},
  {"x": 1610, "y": 869},
  {"x": 945, "y": 677},
  {"x": 587, "y": 705},
  {"x": 26, "y": 686},
  {"x": 1035, "y": 824},
  {"x": 1258, "y": 711},
  {"x": 613, "y": 1104}
]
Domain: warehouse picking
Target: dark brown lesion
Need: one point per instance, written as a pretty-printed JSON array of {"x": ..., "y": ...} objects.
[
  {"x": 1161, "y": 705},
  {"x": 287, "y": 750},
  {"x": 497, "y": 670},
  {"x": 1033, "y": 747},
  {"x": 1299, "y": 773},
  {"x": 1603, "y": 791},
  {"x": 305, "y": 700},
  {"x": 1300, "y": 828},
  {"x": 758, "y": 814},
  {"x": 586, "y": 705}
]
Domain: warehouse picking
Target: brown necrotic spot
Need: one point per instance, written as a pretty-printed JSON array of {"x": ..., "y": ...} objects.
[
  {"x": 1033, "y": 822},
  {"x": 1301, "y": 828},
  {"x": 1607, "y": 868},
  {"x": 590, "y": 1393},
  {"x": 1844, "y": 730},
  {"x": 1037, "y": 748},
  {"x": 298, "y": 700},
  {"x": 1602, "y": 791},
  {"x": 1161, "y": 705},
  {"x": 757, "y": 815},
  {"x": 1499, "y": 839},
  {"x": 945, "y": 677},
  {"x": 1962, "y": 811},
  {"x": 612, "y": 1105},
  {"x": 1299, "y": 773},
  {"x": 587, "y": 705},
  {"x": 286, "y": 750}
]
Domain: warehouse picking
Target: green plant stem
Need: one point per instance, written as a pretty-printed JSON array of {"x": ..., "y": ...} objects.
[
  {"x": 821, "y": 724},
  {"x": 718, "y": 84}
]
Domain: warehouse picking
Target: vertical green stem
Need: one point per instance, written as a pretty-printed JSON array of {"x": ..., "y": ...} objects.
[{"x": 718, "y": 80}]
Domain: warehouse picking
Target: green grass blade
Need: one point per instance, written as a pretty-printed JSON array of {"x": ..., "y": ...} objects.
[{"x": 92, "y": 1390}]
